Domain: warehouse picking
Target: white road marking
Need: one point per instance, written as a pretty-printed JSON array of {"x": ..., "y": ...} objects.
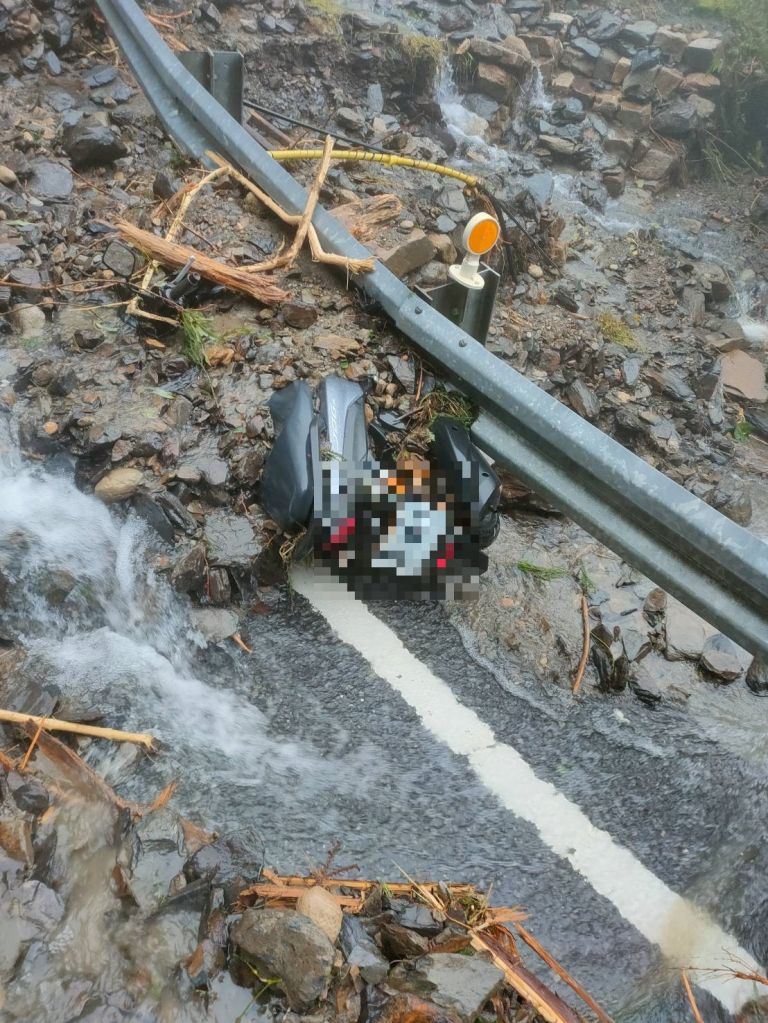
[{"x": 686, "y": 935}]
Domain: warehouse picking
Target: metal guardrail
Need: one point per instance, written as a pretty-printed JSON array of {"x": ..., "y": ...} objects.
[{"x": 715, "y": 567}]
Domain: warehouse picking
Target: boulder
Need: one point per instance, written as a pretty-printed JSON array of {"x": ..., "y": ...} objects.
[
  {"x": 29, "y": 321},
  {"x": 702, "y": 54},
  {"x": 214, "y": 624},
  {"x": 686, "y": 632},
  {"x": 188, "y": 574},
  {"x": 605, "y": 65},
  {"x": 280, "y": 943},
  {"x": 511, "y": 54},
  {"x": 230, "y": 539},
  {"x": 583, "y": 401},
  {"x": 668, "y": 81},
  {"x": 639, "y": 33},
  {"x": 51, "y": 181},
  {"x": 462, "y": 984}
]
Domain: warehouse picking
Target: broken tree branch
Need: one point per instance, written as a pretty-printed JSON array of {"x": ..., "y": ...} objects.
[
  {"x": 187, "y": 194},
  {"x": 352, "y": 266},
  {"x": 56, "y": 725},
  {"x": 252, "y": 283},
  {"x": 585, "y": 649},
  {"x": 562, "y": 973}
]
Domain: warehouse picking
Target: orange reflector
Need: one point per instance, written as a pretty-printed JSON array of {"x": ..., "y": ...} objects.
[{"x": 483, "y": 235}]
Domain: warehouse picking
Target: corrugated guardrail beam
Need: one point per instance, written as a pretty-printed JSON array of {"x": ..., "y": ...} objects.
[{"x": 714, "y": 566}]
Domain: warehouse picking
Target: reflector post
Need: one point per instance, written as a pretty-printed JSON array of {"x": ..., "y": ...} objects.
[{"x": 480, "y": 235}]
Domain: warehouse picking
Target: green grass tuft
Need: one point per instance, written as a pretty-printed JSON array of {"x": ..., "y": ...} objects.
[
  {"x": 197, "y": 331},
  {"x": 545, "y": 573},
  {"x": 615, "y": 330}
]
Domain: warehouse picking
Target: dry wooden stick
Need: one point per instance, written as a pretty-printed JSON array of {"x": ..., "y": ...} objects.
[
  {"x": 351, "y": 265},
  {"x": 585, "y": 650},
  {"x": 187, "y": 195},
  {"x": 254, "y": 284},
  {"x": 691, "y": 998},
  {"x": 312, "y": 200},
  {"x": 56, "y": 725},
  {"x": 562, "y": 973},
  {"x": 6, "y": 762}
]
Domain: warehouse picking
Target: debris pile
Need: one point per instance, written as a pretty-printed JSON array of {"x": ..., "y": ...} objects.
[{"x": 226, "y": 930}]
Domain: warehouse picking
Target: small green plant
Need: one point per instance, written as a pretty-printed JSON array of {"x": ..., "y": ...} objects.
[
  {"x": 197, "y": 331},
  {"x": 446, "y": 403},
  {"x": 545, "y": 573},
  {"x": 742, "y": 431},
  {"x": 586, "y": 582},
  {"x": 615, "y": 330},
  {"x": 329, "y": 12}
]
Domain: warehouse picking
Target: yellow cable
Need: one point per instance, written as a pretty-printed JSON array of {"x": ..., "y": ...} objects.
[{"x": 366, "y": 156}]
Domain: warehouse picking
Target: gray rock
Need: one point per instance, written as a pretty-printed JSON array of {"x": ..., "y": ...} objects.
[
  {"x": 349, "y": 118},
  {"x": 722, "y": 658},
  {"x": 602, "y": 26},
  {"x": 461, "y": 983},
  {"x": 583, "y": 401},
  {"x": 29, "y": 321},
  {"x": 670, "y": 382},
  {"x": 360, "y": 950},
  {"x": 609, "y": 658},
  {"x": 568, "y": 111},
  {"x": 630, "y": 370},
  {"x": 757, "y": 675},
  {"x": 732, "y": 498},
  {"x": 702, "y": 54},
  {"x": 215, "y": 624},
  {"x": 188, "y": 574},
  {"x": 686, "y": 633},
  {"x": 230, "y": 540},
  {"x": 89, "y": 145},
  {"x": 375, "y": 98},
  {"x": 665, "y": 436},
  {"x": 279, "y": 943},
  {"x": 639, "y": 33},
  {"x": 50, "y": 180},
  {"x": 586, "y": 46},
  {"x": 677, "y": 120},
  {"x": 27, "y": 793},
  {"x": 120, "y": 259}
]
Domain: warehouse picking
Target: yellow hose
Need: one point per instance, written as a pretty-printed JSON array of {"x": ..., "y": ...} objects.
[{"x": 365, "y": 156}]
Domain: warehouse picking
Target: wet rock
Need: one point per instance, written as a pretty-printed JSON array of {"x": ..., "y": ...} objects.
[
  {"x": 27, "y": 793},
  {"x": 723, "y": 659},
  {"x": 360, "y": 950},
  {"x": 583, "y": 400},
  {"x": 219, "y": 587},
  {"x": 401, "y": 942},
  {"x": 50, "y": 180},
  {"x": 702, "y": 54},
  {"x": 287, "y": 945},
  {"x": 118, "y": 485},
  {"x": 566, "y": 299},
  {"x": 686, "y": 633},
  {"x": 230, "y": 540},
  {"x": 639, "y": 85},
  {"x": 743, "y": 376},
  {"x": 667, "y": 81},
  {"x": 298, "y": 315},
  {"x": 602, "y": 26},
  {"x": 655, "y": 602},
  {"x": 147, "y": 508},
  {"x": 511, "y": 54},
  {"x": 657, "y": 165},
  {"x": 610, "y": 658},
  {"x": 732, "y": 498},
  {"x": 655, "y": 680},
  {"x": 188, "y": 574},
  {"x": 677, "y": 120},
  {"x": 670, "y": 382},
  {"x": 214, "y": 624},
  {"x": 639, "y": 33},
  {"x": 494, "y": 81},
  {"x": 16, "y": 838},
  {"x": 757, "y": 675},
  {"x": 347, "y": 117},
  {"x": 567, "y": 111},
  {"x": 89, "y": 145},
  {"x": 463, "y": 984}
]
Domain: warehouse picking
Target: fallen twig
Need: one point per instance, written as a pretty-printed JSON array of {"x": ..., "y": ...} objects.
[
  {"x": 254, "y": 284},
  {"x": 33, "y": 743},
  {"x": 562, "y": 973},
  {"x": 585, "y": 650},
  {"x": 238, "y": 639},
  {"x": 691, "y": 997},
  {"x": 56, "y": 725}
]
